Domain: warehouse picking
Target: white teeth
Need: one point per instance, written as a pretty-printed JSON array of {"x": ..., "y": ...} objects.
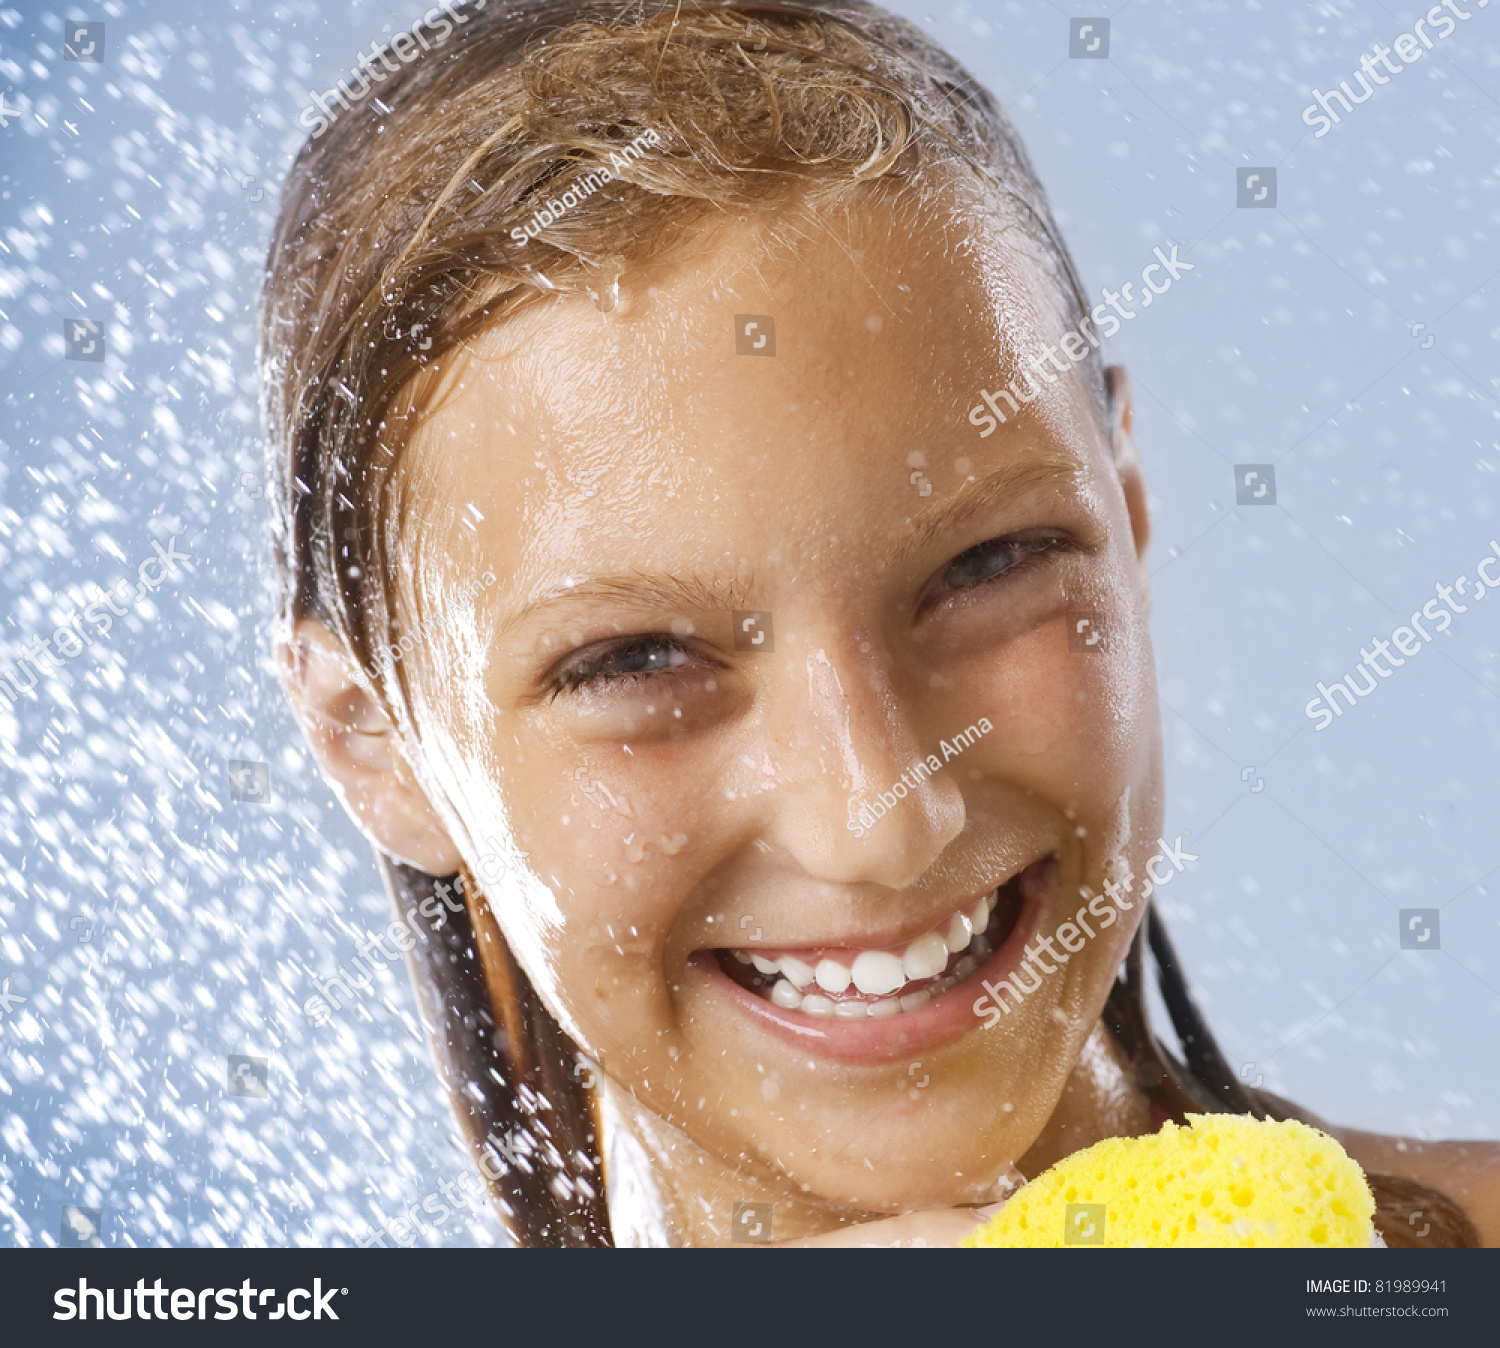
[
  {"x": 880, "y": 974},
  {"x": 926, "y": 957},
  {"x": 832, "y": 976},
  {"x": 797, "y": 971},
  {"x": 785, "y": 995},
  {"x": 876, "y": 973}
]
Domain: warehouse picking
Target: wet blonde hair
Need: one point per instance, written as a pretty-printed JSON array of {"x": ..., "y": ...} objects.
[{"x": 394, "y": 241}]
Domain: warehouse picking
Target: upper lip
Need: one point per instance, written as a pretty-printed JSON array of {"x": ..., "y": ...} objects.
[{"x": 878, "y": 937}]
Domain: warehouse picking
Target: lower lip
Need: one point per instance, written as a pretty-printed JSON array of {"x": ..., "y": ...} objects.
[{"x": 941, "y": 1021}]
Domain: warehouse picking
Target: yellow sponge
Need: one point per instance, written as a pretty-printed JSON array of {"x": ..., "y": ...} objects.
[{"x": 1225, "y": 1179}]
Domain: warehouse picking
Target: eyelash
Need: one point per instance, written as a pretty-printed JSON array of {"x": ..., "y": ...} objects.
[
  {"x": 587, "y": 669},
  {"x": 1030, "y": 550}
]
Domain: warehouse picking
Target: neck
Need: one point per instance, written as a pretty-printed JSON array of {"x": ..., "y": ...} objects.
[
  {"x": 1101, "y": 1099},
  {"x": 665, "y": 1188}
]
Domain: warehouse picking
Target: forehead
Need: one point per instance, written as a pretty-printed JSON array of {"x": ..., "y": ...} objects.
[{"x": 573, "y": 433}]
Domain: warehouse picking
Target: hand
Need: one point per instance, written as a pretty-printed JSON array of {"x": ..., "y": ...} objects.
[{"x": 933, "y": 1228}]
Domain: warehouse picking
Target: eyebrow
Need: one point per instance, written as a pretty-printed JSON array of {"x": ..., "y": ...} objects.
[
  {"x": 696, "y": 594},
  {"x": 1010, "y": 479},
  {"x": 681, "y": 593}
]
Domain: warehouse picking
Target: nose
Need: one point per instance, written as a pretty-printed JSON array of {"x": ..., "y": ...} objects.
[{"x": 848, "y": 747}]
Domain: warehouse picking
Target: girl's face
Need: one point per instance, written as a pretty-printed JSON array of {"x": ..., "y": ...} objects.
[{"x": 745, "y": 588}]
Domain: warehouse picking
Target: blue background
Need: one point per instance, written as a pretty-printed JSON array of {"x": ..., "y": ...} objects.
[{"x": 140, "y": 192}]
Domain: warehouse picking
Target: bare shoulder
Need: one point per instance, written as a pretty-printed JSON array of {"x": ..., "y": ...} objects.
[{"x": 1467, "y": 1172}]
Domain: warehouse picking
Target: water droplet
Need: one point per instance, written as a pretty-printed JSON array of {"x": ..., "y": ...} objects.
[{"x": 606, "y": 294}]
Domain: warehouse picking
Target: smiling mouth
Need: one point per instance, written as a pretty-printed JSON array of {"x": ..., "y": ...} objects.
[{"x": 855, "y": 984}]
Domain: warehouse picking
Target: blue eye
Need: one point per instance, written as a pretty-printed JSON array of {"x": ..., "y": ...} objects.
[
  {"x": 994, "y": 558},
  {"x": 622, "y": 662}
]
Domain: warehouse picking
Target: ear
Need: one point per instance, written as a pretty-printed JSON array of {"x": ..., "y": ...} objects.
[
  {"x": 359, "y": 751},
  {"x": 1127, "y": 463}
]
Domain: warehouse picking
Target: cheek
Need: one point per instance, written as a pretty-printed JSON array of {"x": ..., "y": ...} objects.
[
  {"x": 1071, "y": 721},
  {"x": 615, "y": 852}
]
